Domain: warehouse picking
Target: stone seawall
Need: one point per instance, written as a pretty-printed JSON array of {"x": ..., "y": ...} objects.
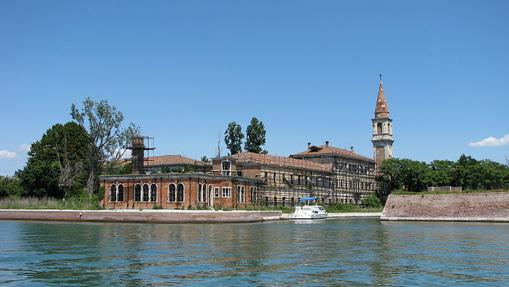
[
  {"x": 145, "y": 216},
  {"x": 486, "y": 206}
]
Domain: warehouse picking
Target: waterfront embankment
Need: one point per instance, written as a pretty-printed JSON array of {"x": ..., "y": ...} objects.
[
  {"x": 475, "y": 207},
  {"x": 143, "y": 216},
  {"x": 160, "y": 216}
]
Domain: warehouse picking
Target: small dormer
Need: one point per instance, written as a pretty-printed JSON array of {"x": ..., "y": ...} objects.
[
  {"x": 225, "y": 166},
  {"x": 313, "y": 148}
]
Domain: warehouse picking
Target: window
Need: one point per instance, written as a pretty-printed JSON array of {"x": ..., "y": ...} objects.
[
  {"x": 180, "y": 192},
  {"x": 202, "y": 193},
  {"x": 137, "y": 192},
  {"x": 153, "y": 192},
  {"x": 120, "y": 192},
  {"x": 207, "y": 194},
  {"x": 113, "y": 192},
  {"x": 379, "y": 128},
  {"x": 226, "y": 167},
  {"x": 145, "y": 192},
  {"x": 240, "y": 193},
  {"x": 227, "y": 192},
  {"x": 254, "y": 195},
  {"x": 171, "y": 192},
  {"x": 216, "y": 192}
]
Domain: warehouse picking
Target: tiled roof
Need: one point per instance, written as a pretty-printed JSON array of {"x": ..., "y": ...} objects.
[
  {"x": 280, "y": 161},
  {"x": 173, "y": 160},
  {"x": 330, "y": 150}
]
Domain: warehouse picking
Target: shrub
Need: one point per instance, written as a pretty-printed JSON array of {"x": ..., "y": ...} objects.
[{"x": 371, "y": 201}]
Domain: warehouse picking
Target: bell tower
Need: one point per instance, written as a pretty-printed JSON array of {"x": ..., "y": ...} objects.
[{"x": 382, "y": 129}]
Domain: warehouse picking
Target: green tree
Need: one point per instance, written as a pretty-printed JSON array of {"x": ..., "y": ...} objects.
[
  {"x": 466, "y": 172},
  {"x": 255, "y": 136},
  {"x": 404, "y": 174},
  {"x": 56, "y": 164},
  {"x": 233, "y": 138},
  {"x": 108, "y": 140},
  {"x": 10, "y": 186},
  {"x": 441, "y": 172},
  {"x": 391, "y": 174}
]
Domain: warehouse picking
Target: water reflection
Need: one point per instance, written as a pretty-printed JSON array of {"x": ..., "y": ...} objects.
[{"x": 346, "y": 252}]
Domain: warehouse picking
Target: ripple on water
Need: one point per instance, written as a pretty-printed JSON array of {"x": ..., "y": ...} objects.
[{"x": 347, "y": 252}]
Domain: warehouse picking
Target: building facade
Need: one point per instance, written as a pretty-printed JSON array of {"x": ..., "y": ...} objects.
[
  {"x": 178, "y": 191},
  {"x": 331, "y": 174}
]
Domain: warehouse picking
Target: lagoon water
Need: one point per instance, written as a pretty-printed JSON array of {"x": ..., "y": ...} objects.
[{"x": 333, "y": 252}]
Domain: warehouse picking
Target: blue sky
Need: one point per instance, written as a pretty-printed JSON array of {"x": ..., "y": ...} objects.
[{"x": 182, "y": 70}]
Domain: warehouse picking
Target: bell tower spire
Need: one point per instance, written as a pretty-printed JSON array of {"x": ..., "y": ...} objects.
[{"x": 382, "y": 129}]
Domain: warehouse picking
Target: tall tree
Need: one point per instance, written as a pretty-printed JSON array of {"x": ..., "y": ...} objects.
[
  {"x": 56, "y": 163},
  {"x": 255, "y": 139},
  {"x": 10, "y": 186},
  {"x": 108, "y": 140},
  {"x": 233, "y": 138}
]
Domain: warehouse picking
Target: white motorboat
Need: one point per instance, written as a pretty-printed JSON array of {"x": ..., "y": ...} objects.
[{"x": 307, "y": 210}]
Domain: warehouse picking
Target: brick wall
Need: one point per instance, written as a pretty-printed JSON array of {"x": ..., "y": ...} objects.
[{"x": 467, "y": 206}]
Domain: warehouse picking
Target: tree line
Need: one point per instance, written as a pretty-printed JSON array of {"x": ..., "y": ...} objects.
[
  {"x": 69, "y": 157},
  {"x": 255, "y": 137},
  {"x": 467, "y": 172}
]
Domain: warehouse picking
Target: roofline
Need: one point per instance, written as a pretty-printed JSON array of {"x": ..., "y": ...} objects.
[
  {"x": 357, "y": 157},
  {"x": 177, "y": 175}
]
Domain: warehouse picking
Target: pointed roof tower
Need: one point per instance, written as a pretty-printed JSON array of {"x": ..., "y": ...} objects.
[{"x": 381, "y": 110}]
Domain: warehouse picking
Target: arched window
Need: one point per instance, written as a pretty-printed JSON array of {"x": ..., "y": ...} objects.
[
  {"x": 153, "y": 192},
  {"x": 120, "y": 192},
  {"x": 242, "y": 192},
  {"x": 171, "y": 193},
  {"x": 379, "y": 128},
  {"x": 113, "y": 192},
  {"x": 207, "y": 194},
  {"x": 199, "y": 192},
  {"x": 202, "y": 193},
  {"x": 145, "y": 192},
  {"x": 180, "y": 192},
  {"x": 137, "y": 192}
]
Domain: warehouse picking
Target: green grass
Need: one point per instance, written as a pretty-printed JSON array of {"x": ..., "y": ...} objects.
[
  {"x": 283, "y": 209},
  {"x": 404, "y": 192},
  {"x": 346, "y": 207},
  {"x": 48, "y": 203},
  {"x": 334, "y": 208}
]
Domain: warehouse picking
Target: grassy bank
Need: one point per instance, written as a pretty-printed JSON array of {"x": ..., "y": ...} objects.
[
  {"x": 404, "y": 192},
  {"x": 345, "y": 207},
  {"x": 283, "y": 209},
  {"x": 334, "y": 208},
  {"x": 48, "y": 203}
]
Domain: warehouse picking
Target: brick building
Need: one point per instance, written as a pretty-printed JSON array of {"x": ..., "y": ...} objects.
[{"x": 331, "y": 174}]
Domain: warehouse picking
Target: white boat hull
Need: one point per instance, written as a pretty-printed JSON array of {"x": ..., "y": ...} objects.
[{"x": 309, "y": 212}]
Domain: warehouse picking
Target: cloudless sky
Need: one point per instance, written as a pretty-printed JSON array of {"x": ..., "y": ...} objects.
[{"x": 182, "y": 70}]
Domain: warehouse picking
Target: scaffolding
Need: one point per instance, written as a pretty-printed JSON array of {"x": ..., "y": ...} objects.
[
  {"x": 142, "y": 153},
  {"x": 286, "y": 180}
]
